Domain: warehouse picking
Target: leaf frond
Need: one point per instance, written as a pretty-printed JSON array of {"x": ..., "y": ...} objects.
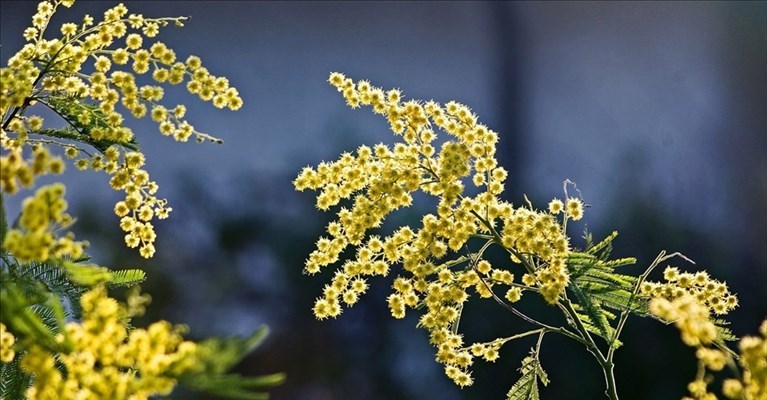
[
  {"x": 13, "y": 380},
  {"x": 217, "y": 355},
  {"x": 526, "y": 388}
]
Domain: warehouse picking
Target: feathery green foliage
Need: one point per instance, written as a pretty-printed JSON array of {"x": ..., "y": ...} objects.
[
  {"x": 31, "y": 311},
  {"x": 526, "y": 388},
  {"x": 594, "y": 297},
  {"x": 597, "y": 288},
  {"x": 55, "y": 311},
  {"x": 72, "y": 112},
  {"x": 218, "y": 355},
  {"x": 13, "y": 380}
]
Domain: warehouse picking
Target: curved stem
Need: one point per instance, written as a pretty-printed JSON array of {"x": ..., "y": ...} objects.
[
  {"x": 605, "y": 363},
  {"x": 611, "y": 390},
  {"x": 582, "y": 334},
  {"x": 520, "y": 314}
]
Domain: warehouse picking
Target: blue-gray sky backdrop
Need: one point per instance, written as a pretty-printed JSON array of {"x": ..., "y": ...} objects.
[{"x": 657, "y": 110}]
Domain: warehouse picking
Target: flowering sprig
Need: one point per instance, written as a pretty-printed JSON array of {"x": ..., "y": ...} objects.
[
  {"x": 41, "y": 216},
  {"x": 383, "y": 179},
  {"x": 439, "y": 265},
  {"x": 690, "y": 301},
  {"x": 107, "y": 360},
  {"x": 78, "y": 77},
  {"x": 61, "y": 335}
]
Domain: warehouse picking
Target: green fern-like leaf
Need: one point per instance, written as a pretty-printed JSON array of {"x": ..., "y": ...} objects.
[
  {"x": 91, "y": 274},
  {"x": 127, "y": 277},
  {"x": 599, "y": 274},
  {"x": 596, "y": 318},
  {"x": 234, "y": 386},
  {"x": 598, "y": 290},
  {"x": 71, "y": 110},
  {"x": 622, "y": 300},
  {"x": 29, "y": 317},
  {"x": 69, "y": 280},
  {"x": 3, "y": 222},
  {"x": 604, "y": 247},
  {"x": 526, "y": 388},
  {"x": 57, "y": 282},
  {"x": 86, "y": 274},
  {"x": 587, "y": 265},
  {"x": 723, "y": 332},
  {"x": 610, "y": 289},
  {"x": 13, "y": 380},
  {"x": 218, "y": 355},
  {"x": 52, "y": 317}
]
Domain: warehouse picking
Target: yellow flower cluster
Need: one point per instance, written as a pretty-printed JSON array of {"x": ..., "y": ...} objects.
[
  {"x": 107, "y": 360},
  {"x": 688, "y": 300},
  {"x": 699, "y": 391},
  {"x": 538, "y": 233},
  {"x": 445, "y": 298},
  {"x": 16, "y": 171},
  {"x": 16, "y": 83},
  {"x": 689, "y": 315},
  {"x": 49, "y": 72},
  {"x": 382, "y": 179},
  {"x": 110, "y": 44},
  {"x": 693, "y": 319},
  {"x": 7, "y": 340},
  {"x": 707, "y": 291},
  {"x": 41, "y": 217},
  {"x": 753, "y": 361},
  {"x": 140, "y": 206}
]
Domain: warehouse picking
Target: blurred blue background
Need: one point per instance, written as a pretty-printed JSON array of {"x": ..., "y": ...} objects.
[{"x": 657, "y": 110}]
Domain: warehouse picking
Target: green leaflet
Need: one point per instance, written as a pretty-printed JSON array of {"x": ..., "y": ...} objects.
[
  {"x": 33, "y": 312},
  {"x": 53, "y": 316},
  {"x": 619, "y": 300},
  {"x": 3, "y": 223},
  {"x": 126, "y": 277},
  {"x": 605, "y": 244},
  {"x": 722, "y": 331},
  {"x": 92, "y": 274},
  {"x": 596, "y": 318},
  {"x": 86, "y": 274},
  {"x": 597, "y": 288},
  {"x": 583, "y": 265},
  {"x": 234, "y": 386},
  {"x": 220, "y": 354},
  {"x": 31, "y": 300},
  {"x": 69, "y": 280},
  {"x": 13, "y": 381},
  {"x": 217, "y": 355},
  {"x": 70, "y": 110},
  {"x": 56, "y": 280},
  {"x": 526, "y": 388}
]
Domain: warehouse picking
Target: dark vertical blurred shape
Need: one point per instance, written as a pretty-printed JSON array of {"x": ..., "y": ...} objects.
[
  {"x": 560, "y": 357},
  {"x": 510, "y": 101},
  {"x": 744, "y": 144}
]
